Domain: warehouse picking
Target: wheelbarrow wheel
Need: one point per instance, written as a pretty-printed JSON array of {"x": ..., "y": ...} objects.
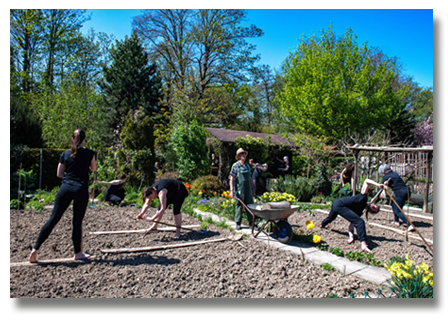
[{"x": 283, "y": 231}]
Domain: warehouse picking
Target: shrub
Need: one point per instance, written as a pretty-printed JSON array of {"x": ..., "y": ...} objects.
[
  {"x": 207, "y": 186},
  {"x": 189, "y": 144},
  {"x": 35, "y": 205},
  {"x": 13, "y": 204},
  {"x": 301, "y": 187},
  {"x": 323, "y": 183}
]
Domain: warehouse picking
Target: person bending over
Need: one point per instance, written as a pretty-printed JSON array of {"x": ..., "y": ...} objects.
[
  {"x": 352, "y": 208},
  {"x": 401, "y": 191},
  {"x": 73, "y": 168},
  {"x": 115, "y": 192},
  {"x": 169, "y": 192}
]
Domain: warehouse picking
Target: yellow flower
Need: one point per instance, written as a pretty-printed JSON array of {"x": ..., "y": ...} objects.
[
  {"x": 309, "y": 225},
  {"x": 316, "y": 239},
  {"x": 200, "y": 193}
]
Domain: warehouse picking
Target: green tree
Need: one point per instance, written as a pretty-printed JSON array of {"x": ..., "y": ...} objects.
[
  {"x": 26, "y": 36},
  {"x": 136, "y": 157},
  {"x": 73, "y": 106},
  {"x": 331, "y": 87},
  {"x": 130, "y": 83},
  {"x": 189, "y": 142},
  {"x": 198, "y": 50}
]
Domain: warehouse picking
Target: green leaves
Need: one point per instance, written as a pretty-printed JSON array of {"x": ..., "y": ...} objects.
[
  {"x": 331, "y": 87},
  {"x": 189, "y": 144}
]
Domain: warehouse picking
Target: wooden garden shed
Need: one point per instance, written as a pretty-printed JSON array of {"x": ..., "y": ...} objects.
[
  {"x": 405, "y": 161},
  {"x": 280, "y": 147}
]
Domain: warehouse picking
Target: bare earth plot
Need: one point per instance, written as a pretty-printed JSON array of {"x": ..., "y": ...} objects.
[{"x": 247, "y": 268}]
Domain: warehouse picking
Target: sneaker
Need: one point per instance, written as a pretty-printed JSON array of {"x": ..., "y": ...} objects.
[{"x": 238, "y": 227}]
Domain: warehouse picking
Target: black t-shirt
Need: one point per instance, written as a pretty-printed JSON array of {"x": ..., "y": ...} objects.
[
  {"x": 77, "y": 169},
  {"x": 172, "y": 186},
  {"x": 355, "y": 203},
  {"x": 397, "y": 184},
  {"x": 257, "y": 173},
  {"x": 348, "y": 171},
  {"x": 116, "y": 190}
]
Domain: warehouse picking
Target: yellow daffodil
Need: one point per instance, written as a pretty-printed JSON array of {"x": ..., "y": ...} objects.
[{"x": 316, "y": 239}]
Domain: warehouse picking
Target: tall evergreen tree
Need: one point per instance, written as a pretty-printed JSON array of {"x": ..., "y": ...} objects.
[{"x": 130, "y": 83}]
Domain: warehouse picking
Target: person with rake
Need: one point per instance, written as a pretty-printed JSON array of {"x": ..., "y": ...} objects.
[
  {"x": 73, "y": 168},
  {"x": 169, "y": 192},
  {"x": 115, "y": 193},
  {"x": 352, "y": 208},
  {"x": 401, "y": 191}
]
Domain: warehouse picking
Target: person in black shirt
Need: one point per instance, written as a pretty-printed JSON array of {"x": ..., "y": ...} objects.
[
  {"x": 257, "y": 174},
  {"x": 401, "y": 191},
  {"x": 169, "y": 192},
  {"x": 115, "y": 193},
  {"x": 351, "y": 208},
  {"x": 346, "y": 176},
  {"x": 73, "y": 168},
  {"x": 288, "y": 168}
]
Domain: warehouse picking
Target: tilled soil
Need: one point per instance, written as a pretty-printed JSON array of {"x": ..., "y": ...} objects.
[
  {"x": 383, "y": 243},
  {"x": 244, "y": 269}
]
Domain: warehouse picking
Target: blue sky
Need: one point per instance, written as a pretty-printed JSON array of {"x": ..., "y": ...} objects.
[{"x": 405, "y": 33}]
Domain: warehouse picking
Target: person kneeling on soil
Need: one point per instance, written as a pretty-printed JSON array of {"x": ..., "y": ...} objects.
[
  {"x": 115, "y": 192},
  {"x": 169, "y": 192},
  {"x": 351, "y": 208}
]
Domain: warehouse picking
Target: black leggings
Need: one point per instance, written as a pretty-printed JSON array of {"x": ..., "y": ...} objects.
[
  {"x": 349, "y": 215},
  {"x": 66, "y": 194}
]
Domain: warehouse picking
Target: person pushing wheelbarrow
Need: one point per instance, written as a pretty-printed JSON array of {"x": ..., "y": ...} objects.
[{"x": 241, "y": 186}]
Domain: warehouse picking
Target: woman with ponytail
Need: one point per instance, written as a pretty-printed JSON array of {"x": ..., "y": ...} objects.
[{"x": 73, "y": 168}]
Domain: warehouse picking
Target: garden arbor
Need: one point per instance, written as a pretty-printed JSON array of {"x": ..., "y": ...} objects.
[{"x": 404, "y": 161}]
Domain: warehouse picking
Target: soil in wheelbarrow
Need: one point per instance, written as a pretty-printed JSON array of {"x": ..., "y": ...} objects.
[
  {"x": 384, "y": 243},
  {"x": 229, "y": 269}
]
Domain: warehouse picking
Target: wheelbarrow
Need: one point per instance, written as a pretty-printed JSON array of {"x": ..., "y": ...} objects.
[{"x": 275, "y": 215}]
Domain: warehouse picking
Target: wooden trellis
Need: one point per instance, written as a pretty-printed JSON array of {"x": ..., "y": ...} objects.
[{"x": 404, "y": 161}]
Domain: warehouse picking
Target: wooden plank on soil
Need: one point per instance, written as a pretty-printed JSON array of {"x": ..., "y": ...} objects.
[
  {"x": 161, "y": 247},
  {"x": 141, "y": 230},
  {"x": 50, "y": 261},
  {"x": 411, "y": 214},
  {"x": 410, "y": 235}
]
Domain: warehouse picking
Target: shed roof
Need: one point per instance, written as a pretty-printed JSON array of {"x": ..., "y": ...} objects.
[{"x": 230, "y": 136}]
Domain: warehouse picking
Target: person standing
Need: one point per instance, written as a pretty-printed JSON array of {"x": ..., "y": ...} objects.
[
  {"x": 241, "y": 186},
  {"x": 257, "y": 175},
  {"x": 401, "y": 191},
  {"x": 346, "y": 176},
  {"x": 214, "y": 165},
  {"x": 351, "y": 208},
  {"x": 169, "y": 192},
  {"x": 115, "y": 193},
  {"x": 73, "y": 168},
  {"x": 287, "y": 170}
]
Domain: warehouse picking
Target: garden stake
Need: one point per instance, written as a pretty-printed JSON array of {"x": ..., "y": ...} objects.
[{"x": 410, "y": 222}]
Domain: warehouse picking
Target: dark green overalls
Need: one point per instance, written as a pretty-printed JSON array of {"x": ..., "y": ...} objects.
[{"x": 243, "y": 191}]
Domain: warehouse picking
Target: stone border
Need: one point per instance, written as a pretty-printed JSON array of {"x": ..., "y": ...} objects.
[{"x": 377, "y": 275}]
